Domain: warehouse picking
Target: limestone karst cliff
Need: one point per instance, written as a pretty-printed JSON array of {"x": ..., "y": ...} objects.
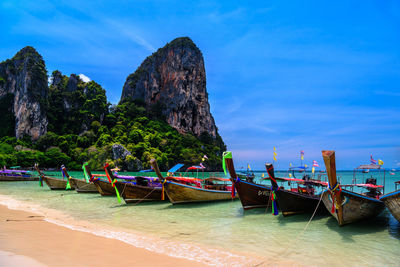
[
  {"x": 23, "y": 82},
  {"x": 174, "y": 78}
]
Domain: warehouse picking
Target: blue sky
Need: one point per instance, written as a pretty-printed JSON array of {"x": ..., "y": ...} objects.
[{"x": 294, "y": 75}]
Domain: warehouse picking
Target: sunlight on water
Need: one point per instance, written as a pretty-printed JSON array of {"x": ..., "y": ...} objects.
[{"x": 226, "y": 227}]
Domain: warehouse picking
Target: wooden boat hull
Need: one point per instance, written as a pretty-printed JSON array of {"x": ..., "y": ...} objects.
[
  {"x": 253, "y": 195},
  {"x": 294, "y": 203},
  {"x": 392, "y": 202},
  {"x": 356, "y": 207},
  {"x": 81, "y": 186},
  {"x": 104, "y": 188},
  {"x": 134, "y": 193},
  {"x": 55, "y": 183},
  {"x": 180, "y": 193},
  {"x": 5, "y": 178}
]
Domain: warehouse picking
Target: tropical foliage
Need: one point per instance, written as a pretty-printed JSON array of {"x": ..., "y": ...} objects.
[{"x": 83, "y": 126}]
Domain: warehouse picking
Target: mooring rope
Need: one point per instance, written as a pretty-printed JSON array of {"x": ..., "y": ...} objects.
[{"x": 144, "y": 197}]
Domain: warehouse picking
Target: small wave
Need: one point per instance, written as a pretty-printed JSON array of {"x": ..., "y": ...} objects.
[{"x": 209, "y": 256}]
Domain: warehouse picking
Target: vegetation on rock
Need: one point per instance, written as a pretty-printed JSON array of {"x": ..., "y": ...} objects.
[{"x": 84, "y": 126}]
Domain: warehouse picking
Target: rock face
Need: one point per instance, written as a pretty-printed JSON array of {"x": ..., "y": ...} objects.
[
  {"x": 25, "y": 78},
  {"x": 120, "y": 152},
  {"x": 174, "y": 78},
  {"x": 125, "y": 159}
]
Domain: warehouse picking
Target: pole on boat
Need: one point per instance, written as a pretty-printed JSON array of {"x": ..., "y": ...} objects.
[
  {"x": 87, "y": 171},
  {"x": 333, "y": 185},
  {"x": 154, "y": 164},
  {"x": 227, "y": 163},
  {"x": 64, "y": 171},
  {"x": 271, "y": 174},
  {"x": 231, "y": 168},
  {"x": 112, "y": 179}
]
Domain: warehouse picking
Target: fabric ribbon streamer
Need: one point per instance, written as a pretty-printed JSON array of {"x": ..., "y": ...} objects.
[
  {"x": 233, "y": 190},
  {"x": 112, "y": 182},
  {"x": 274, "y": 203},
  {"x": 225, "y": 155},
  {"x": 334, "y": 191},
  {"x": 116, "y": 190},
  {"x": 64, "y": 176},
  {"x": 85, "y": 172},
  {"x": 40, "y": 180}
]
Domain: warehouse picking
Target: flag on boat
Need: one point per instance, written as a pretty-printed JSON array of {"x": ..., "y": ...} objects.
[
  {"x": 302, "y": 154},
  {"x": 373, "y": 162},
  {"x": 380, "y": 162},
  {"x": 315, "y": 163},
  {"x": 275, "y": 154}
]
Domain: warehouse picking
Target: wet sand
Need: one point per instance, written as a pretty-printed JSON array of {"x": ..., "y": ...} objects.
[{"x": 26, "y": 239}]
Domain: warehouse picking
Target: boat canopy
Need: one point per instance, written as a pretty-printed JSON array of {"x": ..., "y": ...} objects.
[
  {"x": 369, "y": 167},
  {"x": 149, "y": 170},
  {"x": 176, "y": 167},
  {"x": 14, "y": 171},
  {"x": 301, "y": 181},
  {"x": 195, "y": 168},
  {"x": 15, "y": 167},
  {"x": 297, "y": 168},
  {"x": 369, "y": 185}
]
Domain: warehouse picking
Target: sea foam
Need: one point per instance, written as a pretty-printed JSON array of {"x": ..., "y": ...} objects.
[{"x": 194, "y": 252}]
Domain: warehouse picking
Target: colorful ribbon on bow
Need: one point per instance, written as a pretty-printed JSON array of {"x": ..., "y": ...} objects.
[
  {"x": 225, "y": 155},
  {"x": 68, "y": 186},
  {"x": 274, "y": 203},
  {"x": 233, "y": 193},
  {"x": 85, "y": 172},
  {"x": 112, "y": 182},
  {"x": 116, "y": 190},
  {"x": 40, "y": 180},
  {"x": 334, "y": 192}
]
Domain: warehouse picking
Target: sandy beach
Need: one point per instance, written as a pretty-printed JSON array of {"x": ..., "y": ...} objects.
[{"x": 27, "y": 240}]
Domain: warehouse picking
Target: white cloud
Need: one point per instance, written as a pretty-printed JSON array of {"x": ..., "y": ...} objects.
[{"x": 84, "y": 78}]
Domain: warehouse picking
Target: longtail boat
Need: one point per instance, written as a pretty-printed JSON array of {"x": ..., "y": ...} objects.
[
  {"x": 13, "y": 174},
  {"x": 251, "y": 195},
  {"x": 81, "y": 186},
  {"x": 52, "y": 182},
  {"x": 188, "y": 190},
  {"x": 104, "y": 187},
  {"x": 392, "y": 202},
  {"x": 137, "y": 189},
  {"x": 298, "y": 199},
  {"x": 347, "y": 206}
]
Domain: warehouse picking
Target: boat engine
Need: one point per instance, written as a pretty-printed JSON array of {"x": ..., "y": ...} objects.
[{"x": 372, "y": 192}]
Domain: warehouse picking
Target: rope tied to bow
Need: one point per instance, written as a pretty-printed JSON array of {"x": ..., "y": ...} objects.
[{"x": 335, "y": 191}]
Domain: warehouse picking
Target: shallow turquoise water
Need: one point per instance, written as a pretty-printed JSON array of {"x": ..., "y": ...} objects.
[{"x": 225, "y": 226}]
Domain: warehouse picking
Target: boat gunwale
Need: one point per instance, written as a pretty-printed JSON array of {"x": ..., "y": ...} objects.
[
  {"x": 198, "y": 188},
  {"x": 390, "y": 194}
]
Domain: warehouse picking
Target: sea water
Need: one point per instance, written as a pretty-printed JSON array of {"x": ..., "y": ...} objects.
[{"x": 219, "y": 233}]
